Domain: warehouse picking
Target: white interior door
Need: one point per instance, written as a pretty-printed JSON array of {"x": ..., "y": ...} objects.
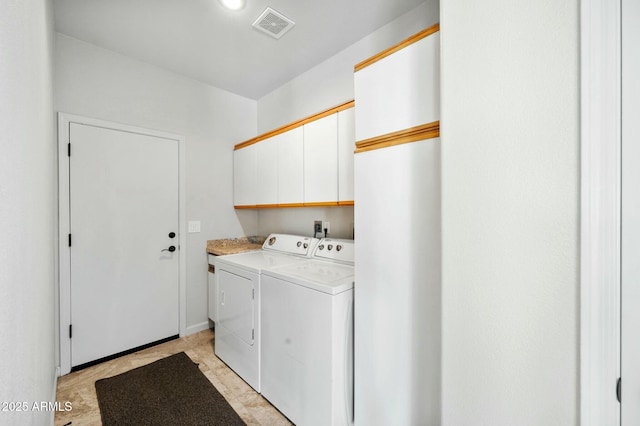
[
  {"x": 123, "y": 205},
  {"x": 630, "y": 249}
]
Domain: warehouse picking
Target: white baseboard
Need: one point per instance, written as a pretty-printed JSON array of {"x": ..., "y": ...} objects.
[
  {"x": 196, "y": 328},
  {"x": 56, "y": 373}
]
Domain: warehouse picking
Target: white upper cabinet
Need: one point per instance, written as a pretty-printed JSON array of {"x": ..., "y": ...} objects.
[
  {"x": 267, "y": 171},
  {"x": 321, "y": 160},
  {"x": 308, "y": 164},
  {"x": 346, "y": 148},
  {"x": 290, "y": 166},
  {"x": 399, "y": 91},
  {"x": 244, "y": 176}
]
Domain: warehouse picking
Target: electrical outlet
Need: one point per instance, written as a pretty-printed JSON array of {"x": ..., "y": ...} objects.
[
  {"x": 317, "y": 227},
  {"x": 326, "y": 227}
]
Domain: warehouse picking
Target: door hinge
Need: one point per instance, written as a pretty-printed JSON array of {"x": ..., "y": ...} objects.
[
  {"x": 253, "y": 293},
  {"x": 69, "y": 240},
  {"x": 70, "y": 331},
  {"x": 253, "y": 335},
  {"x": 619, "y": 389},
  {"x": 69, "y": 149}
]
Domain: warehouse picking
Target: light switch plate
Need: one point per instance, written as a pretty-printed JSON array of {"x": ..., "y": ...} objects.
[{"x": 194, "y": 226}]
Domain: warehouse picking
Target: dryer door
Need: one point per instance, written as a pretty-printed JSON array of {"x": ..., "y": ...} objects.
[{"x": 236, "y": 305}]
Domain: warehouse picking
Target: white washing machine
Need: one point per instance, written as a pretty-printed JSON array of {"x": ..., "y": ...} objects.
[
  {"x": 237, "y": 333},
  {"x": 307, "y": 336}
]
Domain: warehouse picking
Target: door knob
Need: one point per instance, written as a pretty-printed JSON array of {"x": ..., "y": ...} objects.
[
  {"x": 169, "y": 249},
  {"x": 172, "y": 234}
]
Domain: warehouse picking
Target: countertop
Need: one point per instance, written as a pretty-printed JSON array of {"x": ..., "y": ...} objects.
[{"x": 234, "y": 245}]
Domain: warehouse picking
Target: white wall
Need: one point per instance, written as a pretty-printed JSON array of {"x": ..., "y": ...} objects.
[
  {"x": 27, "y": 208},
  {"x": 630, "y": 214},
  {"x": 510, "y": 160},
  {"x": 326, "y": 85},
  {"x": 98, "y": 83},
  {"x": 300, "y": 220}
]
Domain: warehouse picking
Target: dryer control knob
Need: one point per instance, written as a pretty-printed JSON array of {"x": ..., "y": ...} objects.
[
  {"x": 299, "y": 243},
  {"x": 305, "y": 245},
  {"x": 321, "y": 247},
  {"x": 329, "y": 247},
  {"x": 338, "y": 247}
]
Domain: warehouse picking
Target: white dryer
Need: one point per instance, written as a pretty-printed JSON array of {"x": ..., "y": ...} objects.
[
  {"x": 307, "y": 336},
  {"x": 237, "y": 334}
]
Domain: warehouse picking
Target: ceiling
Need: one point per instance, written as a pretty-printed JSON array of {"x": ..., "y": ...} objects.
[{"x": 203, "y": 41}]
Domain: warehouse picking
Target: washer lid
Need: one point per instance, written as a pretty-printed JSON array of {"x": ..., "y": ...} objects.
[
  {"x": 327, "y": 277},
  {"x": 256, "y": 261}
]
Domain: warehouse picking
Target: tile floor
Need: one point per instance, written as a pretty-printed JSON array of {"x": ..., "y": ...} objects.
[{"x": 79, "y": 387}]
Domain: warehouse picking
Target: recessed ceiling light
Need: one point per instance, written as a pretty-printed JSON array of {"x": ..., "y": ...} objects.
[{"x": 233, "y": 4}]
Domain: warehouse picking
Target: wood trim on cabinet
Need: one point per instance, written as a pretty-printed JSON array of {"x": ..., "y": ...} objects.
[
  {"x": 298, "y": 123},
  {"x": 297, "y": 205},
  {"x": 264, "y": 206},
  {"x": 413, "y": 134},
  {"x": 290, "y": 205},
  {"x": 404, "y": 43},
  {"x": 322, "y": 204}
]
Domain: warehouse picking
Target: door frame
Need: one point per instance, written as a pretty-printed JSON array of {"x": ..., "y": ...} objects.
[
  {"x": 64, "y": 257},
  {"x": 600, "y": 233}
]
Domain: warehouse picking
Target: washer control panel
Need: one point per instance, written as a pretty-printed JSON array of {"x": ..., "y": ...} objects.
[
  {"x": 290, "y": 244},
  {"x": 338, "y": 250}
]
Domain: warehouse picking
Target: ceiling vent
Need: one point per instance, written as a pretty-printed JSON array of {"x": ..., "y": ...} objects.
[{"x": 273, "y": 23}]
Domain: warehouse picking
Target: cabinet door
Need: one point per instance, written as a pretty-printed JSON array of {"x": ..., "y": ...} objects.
[
  {"x": 321, "y": 160},
  {"x": 400, "y": 91},
  {"x": 290, "y": 166},
  {"x": 267, "y": 171},
  {"x": 346, "y": 148},
  {"x": 398, "y": 202},
  {"x": 244, "y": 176}
]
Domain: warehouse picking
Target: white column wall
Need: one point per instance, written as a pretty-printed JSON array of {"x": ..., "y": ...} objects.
[
  {"x": 511, "y": 213},
  {"x": 28, "y": 206},
  {"x": 630, "y": 247}
]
